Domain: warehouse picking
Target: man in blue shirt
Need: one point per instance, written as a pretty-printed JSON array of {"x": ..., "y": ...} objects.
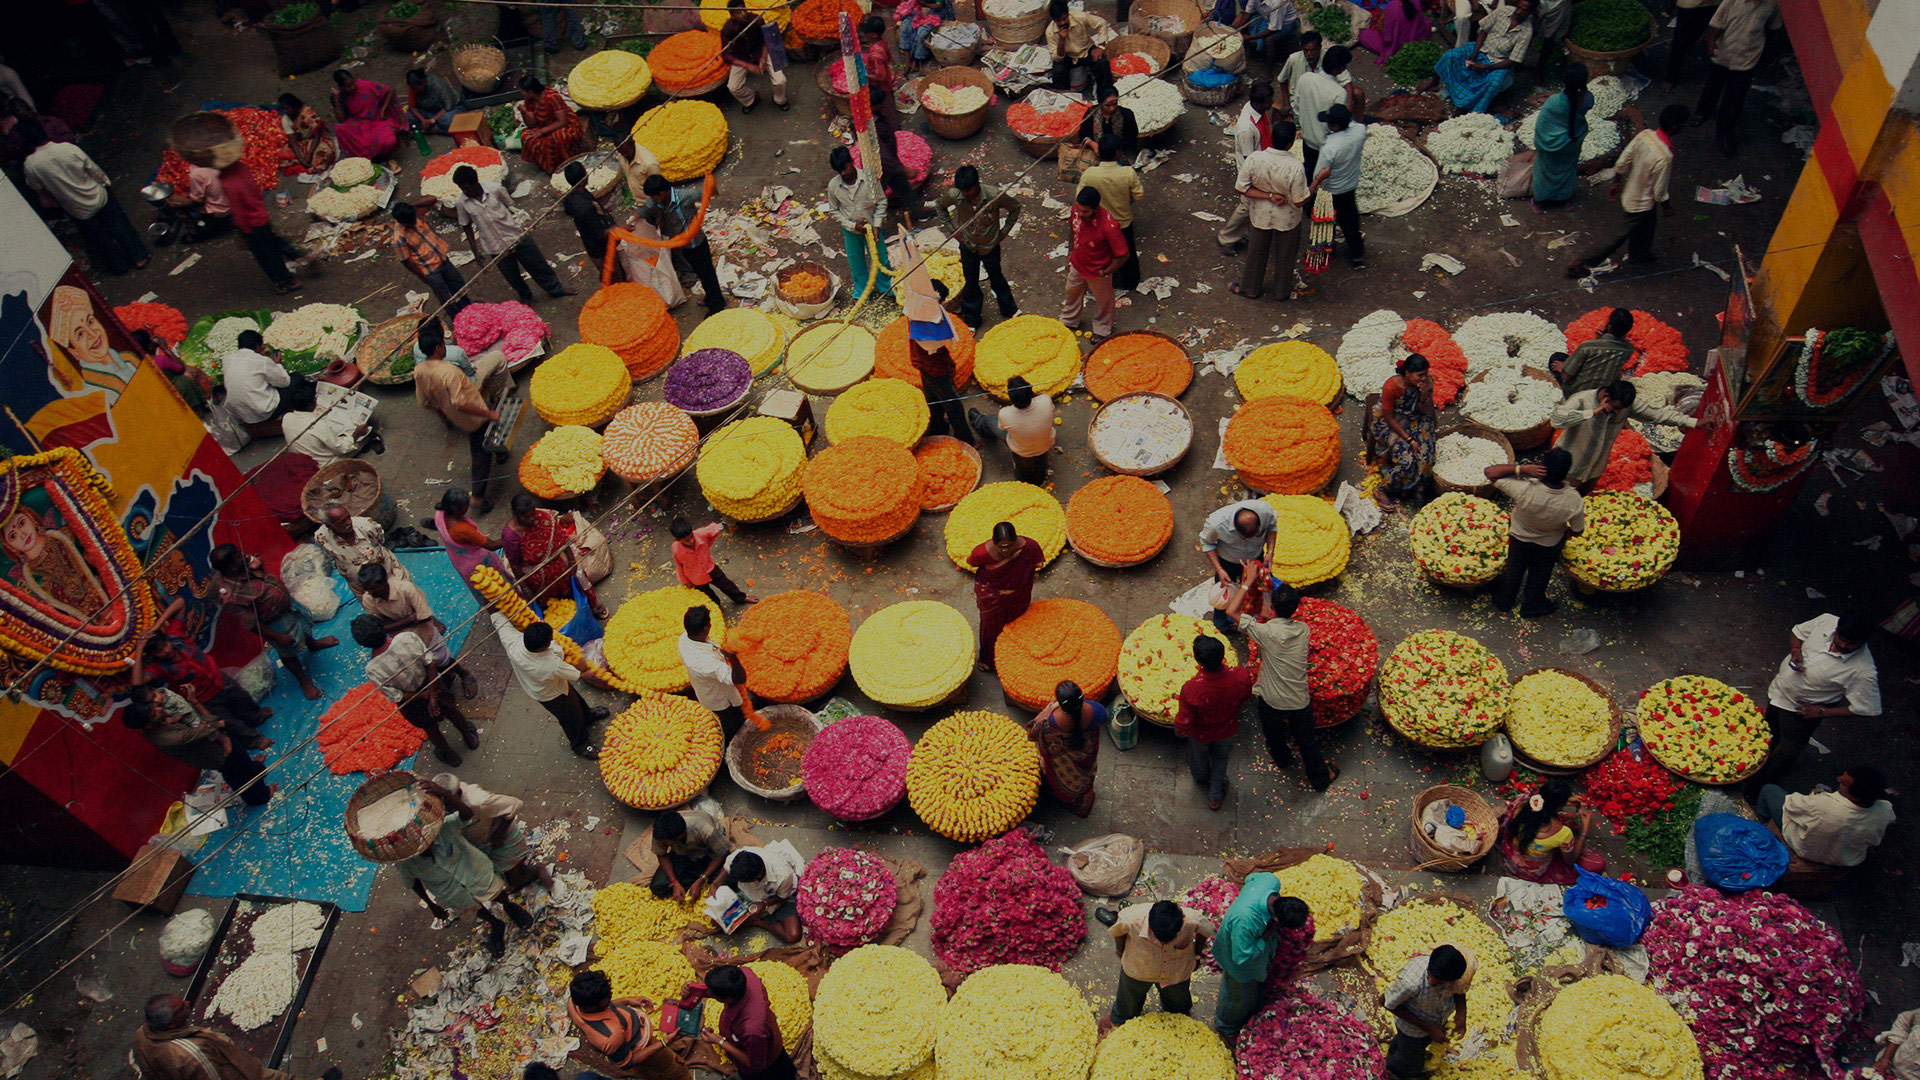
[
  {"x": 670, "y": 210},
  {"x": 1339, "y": 172}
]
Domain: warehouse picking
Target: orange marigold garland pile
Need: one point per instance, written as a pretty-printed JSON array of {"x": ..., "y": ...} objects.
[
  {"x": 865, "y": 490},
  {"x": 363, "y": 732},
  {"x": 819, "y": 20},
  {"x": 164, "y": 321},
  {"x": 1057, "y": 639},
  {"x": 1119, "y": 519},
  {"x": 1657, "y": 345},
  {"x": 1446, "y": 360},
  {"x": 687, "y": 59},
  {"x": 1129, "y": 363},
  {"x": 1283, "y": 445},
  {"x": 1629, "y": 465},
  {"x": 632, "y": 320},
  {"x": 947, "y": 472},
  {"x": 793, "y": 645},
  {"x": 891, "y": 360}
]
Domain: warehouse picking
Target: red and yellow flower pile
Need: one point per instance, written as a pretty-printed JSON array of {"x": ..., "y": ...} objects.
[
  {"x": 747, "y": 331},
  {"x": 892, "y": 360},
  {"x": 1005, "y": 903},
  {"x": 582, "y": 384},
  {"x": 687, "y": 135},
  {"x": 876, "y": 1014},
  {"x": 1559, "y": 720},
  {"x": 1460, "y": 539},
  {"x": 793, "y": 645},
  {"x": 660, "y": 752},
  {"x": 1163, "y": 1046},
  {"x": 1119, "y": 519},
  {"x": 641, "y": 643},
  {"x": 1038, "y": 347},
  {"x": 649, "y": 441},
  {"x": 1312, "y": 541},
  {"x": 1343, "y": 656},
  {"x": 1657, "y": 346},
  {"x": 750, "y": 469},
  {"x": 1611, "y": 1026},
  {"x": 1444, "y": 689},
  {"x": 829, "y": 357},
  {"x": 972, "y": 776},
  {"x": 892, "y": 409},
  {"x": 863, "y": 490},
  {"x": 1057, "y": 639},
  {"x": 1702, "y": 728},
  {"x": 1016, "y": 1022},
  {"x": 1036, "y": 514},
  {"x": 1630, "y": 542},
  {"x": 1156, "y": 660},
  {"x": 1284, "y": 445},
  {"x": 565, "y": 461},
  {"x": 947, "y": 472},
  {"x": 632, "y": 320},
  {"x": 1130, "y": 363},
  {"x": 913, "y": 654},
  {"x": 1297, "y": 369}
]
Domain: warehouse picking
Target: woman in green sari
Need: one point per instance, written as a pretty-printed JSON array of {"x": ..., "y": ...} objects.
[{"x": 1557, "y": 139}]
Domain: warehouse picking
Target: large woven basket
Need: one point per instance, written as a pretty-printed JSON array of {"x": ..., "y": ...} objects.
[
  {"x": 958, "y": 125},
  {"x": 349, "y": 482},
  {"x": 1024, "y": 30},
  {"x": 1040, "y": 146},
  {"x": 409, "y": 839},
  {"x": 1140, "y": 18},
  {"x": 1610, "y": 62},
  {"x": 1534, "y": 761},
  {"x": 1154, "y": 49},
  {"x": 478, "y": 67},
  {"x": 1479, "y": 813},
  {"x": 376, "y": 357},
  {"x": 948, "y": 56},
  {"x": 1529, "y": 438},
  {"x": 208, "y": 139},
  {"x": 782, "y": 720},
  {"x": 1211, "y": 97},
  {"x": 1478, "y": 431}
]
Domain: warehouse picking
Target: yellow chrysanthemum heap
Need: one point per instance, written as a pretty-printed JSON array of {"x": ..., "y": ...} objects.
[
  {"x": 558, "y": 613},
  {"x": 1702, "y": 728},
  {"x": 628, "y": 912},
  {"x": 1417, "y": 927},
  {"x": 654, "y": 970},
  {"x": 1460, "y": 539},
  {"x": 641, "y": 642},
  {"x": 688, "y": 136},
  {"x": 570, "y": 456},
  {"x": 660, "y": 752},
  {"x": 751, "y": 333},
  {"x": 581, "y": 384},
  {"x": 1559, "y": 720},
  {"x": 877, "y": 1012},
  {"x": 1312, "y": 541},
  {"x": 499, "y": 594},
  {"x": 913, "y": 654},
  {"x": 1608, "y": 1027},
  {"x": 893, "y": 409},
  {"x": 1332, "y": 890},
  {"x": 973, "y": 776},
  {"x": 713, "y": 13},
  {"x": 1156, "y": 660},
  {"x": 791, "y": 1000},
  {"x": 1294, "y": 368},
  {"x": 1016, "y": 1022},
  {"x": 1498, "y": 1063},
  {"x": 1035, "y": 514},
  {"x": 1163, "y": 1046},
  {"x": 750, "y": 469},
  {"x": 609, "y": 79},
  {"x": 1630, "y": 542},
  {"x": 1040, "y": 348},
  {"x": 829, "y": 357}
]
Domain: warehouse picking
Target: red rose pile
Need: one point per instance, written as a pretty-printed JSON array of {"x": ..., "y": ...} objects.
[
  {"x": 1342, "y": 659},
  {"x": 1628, "y": 791},
  {"x": 1211, "y": 897},
  {"x": 1004, "y": 903},
  {"x": 846, "y": 898},
  {"x": 266, "y": 149}
]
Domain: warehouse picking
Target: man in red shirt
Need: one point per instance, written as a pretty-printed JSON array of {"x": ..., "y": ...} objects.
[
  {"x": 1003, "y": 572},
  {"x": 1099, "y": 248},
  {"x": 250, "y": 216},
  {"x": 693, "y": 561},
  {"x": 1209, "y": 715}
]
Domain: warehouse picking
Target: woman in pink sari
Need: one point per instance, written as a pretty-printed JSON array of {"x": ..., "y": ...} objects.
[
  {"x": 467, "y": 547},
  {"x": 1396, "y": 23},
  {"x": 539, "y": 546},
  {"x": 369, "y": 122}
]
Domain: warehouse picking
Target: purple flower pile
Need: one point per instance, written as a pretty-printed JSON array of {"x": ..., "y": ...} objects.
[
  {"x": 512, "y": 324},
  {"x": 1298, "y": 1036},
  {"x": 856, "y": 769},
  {"x": 706, "y": 380},
  {"x": 1004, "y": 903},
  {"x": 846, "y": 897}
]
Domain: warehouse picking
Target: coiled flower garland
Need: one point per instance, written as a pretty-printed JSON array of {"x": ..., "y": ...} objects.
[{"x": 972, "y": 776}]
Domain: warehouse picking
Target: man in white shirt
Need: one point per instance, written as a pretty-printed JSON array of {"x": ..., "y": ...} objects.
[
  {"x": 324, "y": 436},
  {"x": 1273, "y": 188},
  {"x": 1028, "y": 424},
  {"x": 545, "y": 675},
  {"x": 1546, "y": 510},
  {"x": 1252, "y": 133},
  {"x": 1640, "y": 183},
  {"x": 1317, "y": 92},
  {"x": 770, "y": 877},
  {"x": 354, "y": 542},
  {"x": 258, "y": 388},
  {"x": 403, "y": 669},
  {"x": 494, "y": 226},
  {"x": 715, "y": 673},
  {"x": 1297, "y": 66},
  {"x": 1736, "y": 37},
  {"x": 1270, "y": 28},
  {"x": 1827, "y": 672},
  {"x": 1231, "y": 536},
  {"x": 1833, "y": 828},
  {"x": 1280, "y": 695},
  {"x": 66, "y": 177}
]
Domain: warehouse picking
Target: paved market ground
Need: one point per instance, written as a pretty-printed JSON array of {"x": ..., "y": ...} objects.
[{"x": 1729, "y": 622}]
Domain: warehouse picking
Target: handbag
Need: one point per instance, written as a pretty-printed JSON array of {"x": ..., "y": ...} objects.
[{"x": 593, "y": 556}]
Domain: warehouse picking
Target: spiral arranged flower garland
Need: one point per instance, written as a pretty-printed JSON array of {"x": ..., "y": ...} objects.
[
  {"x": 1657, "y": 346},
  {"x": 1768, "y": 466},
  {"x": 788, "y": 995},
  {"x": 1610, "y": 1025},
  {"x": 1558, "y": 720},
  {"x": 913, "y": 654},
  {"x": 846, "y": 897},
  {"x": 1005, "y": 903},
  {"x": 1703, "y": 729},
  {"x": 972, "y": 776},
  {"x": 641, "y": 642},
  {"x": 877, "y": 1011},
  {"x": 750, "y": 332},
  {"x": 1343, "y": 656},
  {"x": 1508, "y": 339},
  {"x": 631, "y": 320},
  {"x": 863, "y": 490},
  {"x": 1283, "y": 445},
  {"x": 1056, "y": 639},
  {"x": 582, "y": 384},
  {"x": 649, "y": 441},
  {"x": 856, "y": 769},
  {"x": 609, "y": 79},
  {"x": 1119, "y": 519},
  {"x": 1444, "y": 689},
  {"x": 947, "y": 472},
  {"x": 1041, "y": 348},
  {"x": 1460, "y": 539},
  {"x": 1298, "y": 369},
  {"x": 1630, "y": 542},
  {"x": 892, "y": 409},
  {"x": 750, "y": 469},
  {"x": 1163, "y": 1046},
  {"x": 793, "y": 645},
  {"x": 1016, "y": 1022},
  {"x": 829, "y": 357},
  {"x": 1156, "y": 660},
  {"x": 1312, "y": 542},
  {"x": 687, "y": 135},
  {"x": 1130, "y": 363},
  {"x": 1035, "y": 514},
  {"x": 660, "y": 751}
]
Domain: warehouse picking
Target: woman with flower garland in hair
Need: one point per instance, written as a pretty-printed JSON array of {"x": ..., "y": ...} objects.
[
  {"x": 1068, "y": 732},
  {"x": 1537, "y": 843},
  {"x": 1404, "y": 424}
]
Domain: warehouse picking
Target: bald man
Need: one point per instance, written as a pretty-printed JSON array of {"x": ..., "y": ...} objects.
[{"x": 354, "y": 542}]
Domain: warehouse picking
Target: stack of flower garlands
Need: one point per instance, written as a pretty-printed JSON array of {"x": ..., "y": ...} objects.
[
  {"x": 1163, "y": 1046},
  {"x": 876, "y": 1014},
  {"x": 750, "y": 469},
  {"x": 312, "y": 335},
  {"x": 891, "y": 359},
  {"x": 581, "y": 384},
  {"x": 1004, "y": 903},
  {"x": 164, "y": 321},
  {"x": 846, "y": 898},
  {"x": 1558, "y": 720},
  {"x": 819, "y": 20},
  {"x": 628, "y": 911},
  {"x": 863, "y": 490},
  {"x": 916, "y": 157},
  {"x": 1312, "y": 541},
  {"x": 1332, "y": 889},
  {"x": 436, "y": 176},
  {"x": 1156, "y": 660},
  {"x": 1768, "y": 989},
  {"x": 630, "y": 319},
  {"x": 1370, "y": 350},
  {"x": 501, "y": 595},
  {"x": 913, "y": 654},
  {"x": 688, "y": 136},
  {"x": 856, "y": 769},
  {"x": 1629, "y": 465},
  {"x": 1703, "y": 729},
  {"x": 1629, "y": 543},
  {"x": 649, "y": 441},
  {"x": 609, "y": 79},
  {"x": 947, "y": 472},
  {"x": 788, "y": 995},
  {"x": 1057, "y": 639},
  {"x": 1460, "y": 539},
  {"x": 747, "y": 331},
  {"x": 1210, "y": 896},
  {"x": 1343, "y": 656},
  {"x": 565, "y": 461},
  {"x": 511, "y": 324},
  {"x": 1296, "y": 1034},
  {"x": 1283, "y": 445},
  {"x": 1037, "y": 516},
  {"x": 1040, "y": 348},
  {"x": 660, "y": 752},
  {"x": 1016, "y": 1022},
  {"x": 972, "y": 776},
  {"x": 1120, "y": 520},
  {"x": 1132, "y": 363},
  {"x": 1610, "y": 1025},
  {"x": 1022, "y": 117},
  {"x": 892, "y": 409},
  {"x": 1657, "y": 347},
  {"x": 641, "y": 636},
  {"x": 1442, "y": 689},
  {"x": 265, "y": 143},
  {"x": 1416, "y": 927},
  {"x": 829, "y": 357},
  {"x": 706, "y": 382},
  {"x": 1296, "y": 369},
  {"x": 793, "y": 645}
]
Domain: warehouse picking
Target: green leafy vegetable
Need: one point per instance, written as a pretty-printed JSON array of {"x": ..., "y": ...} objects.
[
  {"x": 1850, "y": 345},
  {"x": 405, "y": 9},
  {"x": 1610, "y": 25},
  {"x": 1414, "y": 63},
  {"x": 1663, "y": 838},
  {"x": 636, "y": 46},
  {"x": 294, "y": 15},
  {"x": 1333, "y": 22}
]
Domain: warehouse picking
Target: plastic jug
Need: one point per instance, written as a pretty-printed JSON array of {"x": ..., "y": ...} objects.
[{"x": 1496, "y": 758}]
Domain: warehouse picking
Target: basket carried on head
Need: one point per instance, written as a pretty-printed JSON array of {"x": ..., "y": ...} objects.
[
  {"x": 1480, "y": 814},
  {"x": 1477, "y": 431},
  {"x": 1142, "y": 17},
  {"x": 478, "y": 67},
  {"x": 391, "y": 817},
  {"x": 783, "y": 720},
  {"x": 208, "y": 139},
  {"x": 349, "y": 482},
  {"x": 957, "y": 125},
  {"x": 1154, "y": 49}
]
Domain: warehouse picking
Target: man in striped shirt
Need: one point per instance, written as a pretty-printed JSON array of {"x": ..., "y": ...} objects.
[{"x": 423, "y": 252}]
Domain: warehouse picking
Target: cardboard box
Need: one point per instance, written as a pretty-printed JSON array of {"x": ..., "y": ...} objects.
[
  {"x": 470, "y": 129},
  {"x": 158, "y": 881}
]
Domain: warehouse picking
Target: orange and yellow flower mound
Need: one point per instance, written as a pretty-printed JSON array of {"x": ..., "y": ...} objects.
[
  {"x": 1156, "y": 660},
  {"x": 876, "y": 1013},
  {"x": 632, "y": 320},
  {"x": 750, "y": 469},
  {"x": 609, "y": 79},
  {"x": 1444, "y": 689},
  {"x": 829, "y": 357},
  {"x": 793, "y": 645},
  {"x": 565, "y": 461},
  {"x": 1311, "y": 540},
  {"x": 1034, "y": 512},
  {"x": 912, "y": 655},
  {"x": 891, "y": 359},
  {"x": 660, "y": 752},
  {"x": 643, "y": 636},
  {"x": 973, "y": 776},
  {"x": 1130, "y": 363},
  {"x": 893, "y": 409},
  {"x": 713, "y": 13},
  {"x": 1016, "y": 1022},
  {"x": 1298, "y": 369},
  {"x": 649, "y": 441},
  {"x": 1040, "y": 348},
  {"x": 1703, "y": 729},
  {"x": 947, "y": 472},
  {"x": 1119, "y": 519},
  {"x": 1630, "y": 542},
  {"x": 1608, "y": 1027},
  {"x": 581, "y": 384},
  {"x": 752, "y": 333},
  {"x": 1163, "y": 1046},
  {"x": 1057, "y": 639},
  {"x": 1460, "y": 539},
  {"x": 1285, "y": 445},
  {"x": 688, "y": 136},
  {"x": 863, "y": 490}
]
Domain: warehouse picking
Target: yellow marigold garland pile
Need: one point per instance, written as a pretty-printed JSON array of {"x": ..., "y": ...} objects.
[
  {"x": 863, "y": 490},
  {"x": 1416, "y": 927},
  {"x": 1283, "y": 445},
  {"x": 1444, "y": 689},
  {"x": 641, "y": 642},
  {"x": 973, "y": 776},
  {"x": 750, "y": 469},
  {"x": 1298, "y": 369},
  {"x": 1016, "y": 1022},
  {"x": 654, "y": 970},
  {"x": 1460, "y": 539},
  {"x": 660, "y": 752},
  {"x": 827, "y": 358},
  {"x": 789, "y": 997},
  {"x": 1040, "y": 348},
  {"x": 1558, "y": 720},
  {"x": 565, "y": 461},
  {"x": 581, "y": 384},
  {"x": 1630, "y": 542},
  {"x": 1608, "y": 1027},
  {"x": 688, "y": 136},
  {"x": 889, "y": 408},
  {"x": 1057, "y": 639},
  {"x": 752, "y": 333},
  {"x": 1120, "y": 519},
  {"x": 1163, "y": 1046},
  {"x": 627, "y": 912},
  {"x": 1156, "y": 660},
  {"x": 913, "y": 654},
  {"x": 1312, "y": 542},
  {"x": 609, "y": 79},
  {"x": 793, "y": 645},
  {"x": 1036, "y": 514},
  {"x": 877, "y": 1011},
  {"x": 1332, "y": 889}
]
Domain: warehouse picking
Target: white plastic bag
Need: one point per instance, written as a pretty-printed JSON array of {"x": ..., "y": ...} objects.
[
  {"x": 256, "y": 678},
  {"x": 1106, "y": 865},
  {"x": 316, "y": 597}
]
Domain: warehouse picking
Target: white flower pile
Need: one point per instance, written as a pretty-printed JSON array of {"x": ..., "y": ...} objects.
[
  {"x": 443, "y": 188},
  {"x": 1610, "y": 95},
  {"x": 1509, "y": 399},
  {"x": 224, "y": 336},
  {"x": 1392, "y": 170},
  {"x": 325, "y": 330},
  {"x": 352, "y": 204},
  {"x": 351, "y": 170},
  {"x": 598, "y": 178},
  {"x": 1603, "y": 136},
  {"x": 259, "y": 990},
  {"x": 1471, "y": 143},
  {"x": 1369, "y": 352},
  {"x": 1508, "y": 339},
  {"x": 1463, "y": 459},
  {"x": 1659, "y": 389},
  {"x": 1012, "y": 9},
  {"x": 289, "y": 928},
  {"x": 1155, "y": 102},
  {"x": 953, "y": 100}
]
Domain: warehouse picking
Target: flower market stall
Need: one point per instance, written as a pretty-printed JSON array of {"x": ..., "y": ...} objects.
[
  {"x": 660, "y": 752},
  {"x": 1312, "y": 541},
  {"x": 750, "y": 469},
  {"x": 1156, "y": 659},
  {"x": 856, "y": 769},
  {"x": 912, "y": 655},
  {"x": 1703, "y": 729},
  {"x": 1442, "y": 690},
  {"x": 1056, "y": 639},
  {"x": 863, "y": 491},
  {"x": 1629, "y": 543},
  {"x": 1460, "y": 540}
]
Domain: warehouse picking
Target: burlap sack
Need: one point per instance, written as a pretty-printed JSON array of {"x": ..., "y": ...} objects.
[
  {"x": 907, "y": 904},
  {"x": 1321, "y": 954},
  {"x": 1533, "y": 993}
]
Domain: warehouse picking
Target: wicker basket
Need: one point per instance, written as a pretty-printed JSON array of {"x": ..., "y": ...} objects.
[
  {"x": 1074, "y": 543},
  {"x": 1015, "y": 32},
  {"x": 1141, "y": 15},
  {"x": 1612, "y": 62},
  {"x": 1211, "y": 97},
  {"x": 1127, "y": 470},
  {"x": 208, "y": 139},
  {"x": 782, "y": 720},
  {"x": 1154, "y": 49},
  {"x": 1232, "y": 57},
  {"x": 1534, "y": 762},
  {"x": 478, "y": 68},
  {"x": 1479, "y": 813},
  {"x": 1478, "y": 431},
  {"x": 823, "y": 77},
  {"x": 947, "y": 56},
  {"x": 406, "y": 841},
  {"x": 819, "y": 295},
  {"x": 1531, "y": 438},
  {"x": 958, "y": 125},
  {"x": 971, "y": 452},
  {"x": 349, "y": 482}
]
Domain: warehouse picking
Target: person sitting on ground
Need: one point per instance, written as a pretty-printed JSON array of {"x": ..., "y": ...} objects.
[
  {"x": 257, "y": 386},
  {"x": 1831, "y": 827},
  {"x": 167, "y": 1048},
  {"x": 432, "y": 102},
  {"x": 1421, "y": 996},
  {"x": 263, "y": 605},
  {"x": 1899, "y": 1057},
  {"x": 619, "y": 1030},
  {"x": 1537, "y": 842},
  {"x": 691, "y": 846},
  {"x": 184, "y": 731},
  {"x": 749, "y": 1035},
  {"x": 769, "y": 877},
  {"x": 1475, "y": 73},
  {"x": 1077, "y": 42}
]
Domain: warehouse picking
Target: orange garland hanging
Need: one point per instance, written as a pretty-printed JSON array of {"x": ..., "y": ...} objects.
[
  {"x": 632, "y": 320},
  {"x": 865, "y": 490},
  {"x": 1133, "y": 362},
  {"x": 891, "y": 361},
  {"x": 1057, "y": 639},
  {"x": 947, "y": 472},
  {"x": 793, "y": 645},
  {"x": 1283, "y": 445},
  {"x": 1119, "y": 519}
]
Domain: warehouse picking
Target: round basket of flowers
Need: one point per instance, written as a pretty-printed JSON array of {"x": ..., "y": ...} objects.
[
  {"x": 1042, "y": 349},
  {"x": 891, "y": 409},
  {"x": 1135, "y": 361},
  {"x": 1296, "y": 369},
  {"x": 565, "y": 462},
  {"x": 912, "y": 655},
  {"x": 750, "y": 469},
  {"x": 793, "y": 646},
  {"x": 649, "y": 441},
  {"x": 1460, "y": 540},
  {"x": 1562, "y": 721},
  {"x": 949, "y": 471},
  {"x": 660, "y": 752},
  {"x": 753, "y": 334},
  {"x": 856, "y": 769},
  {"x": 1056, "y": 1041},
  {"x": 581, "y": 384},
  {"x": 1033, "y": 511},
  {"x": 1118, "y": 521},
  {"x": 1056, "y": 639},
  {"x": 707, "y": 382},
  {"x": 863, "y": 491},
  {"x": 1444, "y": 691},
  {"x": 973, "y": 776},
  {"x": 830, "y": 357},
  {"x": 1156, "y": 660},
  {"x": 1629, "y": 543},
  {"x": 1703, "y": 729},
  {"x": 641, "y": 637}
]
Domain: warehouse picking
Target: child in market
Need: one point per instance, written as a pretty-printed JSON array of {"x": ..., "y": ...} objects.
[{"x": 693, "y": 561}]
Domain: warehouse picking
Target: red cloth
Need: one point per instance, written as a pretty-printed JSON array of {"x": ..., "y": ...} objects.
[
  {"x": 249, "y": 206},
  {"x": 1099, "y": 247},
  {"x": 1210, "y": 703},
  {"x": 279, "y": 483},
  {"x": 528, "y": 551},
  {"x": 693, "y": 557},
  {"x": 749, "y": 1024},
  {"x": 879, "y": 67},
  {"x": 1265, "y": 125},
  {"x": 936, "y": 363}
]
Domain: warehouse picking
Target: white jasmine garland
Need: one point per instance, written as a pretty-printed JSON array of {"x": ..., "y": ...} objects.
[
  {"x": 288, "y": 928},
  {"x": 1392, "y": 170},
  {"x": 443, "y": 188},
  {"x": 350, "y": 205},
  {"x": 257, "y": 991},
  {"x": 598, "y": 177},
  {"x": 224, "y": 336},
  {"x": 1508, "y": 399},
  {"x": 1155, "y": 102},
  {"x": 1471, "y": 143},
  {"x": 1508, "y": 339},
  {"x": 351, "y": 170},
  {"x": 326, "y": 330},
  {"x": 1463, "y": 459},
  {"x": 1369, "y": 351},
  {"x": 1603, "y": 136}
]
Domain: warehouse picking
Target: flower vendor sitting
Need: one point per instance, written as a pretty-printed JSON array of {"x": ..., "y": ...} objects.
[
  {"x": 184, "y": 730},
  {"x": 1158, "y": 944},
  {"x": 749, "y": 1035},
  {"x": 167, "y": 1048},
  {"x": 1280, "y": 694},
  {"x": 1536, "y": 841},
  {"x": 1004, "y": 568},
  {"x": 1827, "y": 672},
  {"x": 1546, "y": 509},
  {"x": 621, "y": 1031},
  {"x": 1403, "y": 429},
  {"x": 916, "y": 21},
  {"x": 1420, "y": 997},
  {"x": 553, "y": 132},
  {"x": 1209, "y": 715},
  {"x": 1076, "y": 40},
  {"x": 693, "y": 561},
  {"x": 691, "y": 846},
  {"x": 1250, "y": 933},
  {"x": 1233, "y": 535},
  {"x": 263, "y": 605},
  {"x": 769, "y": 876},
  {"x": 1832, "y": 828},
  {"x": 1900, "y": 1051},
  {"x": 715, "y": 673},
  {"x": 1477, "y": 72},
  {"x": 368, "y": 120},
  {"x": 1068, "y": 731},
  {"x": 1589, "y": 421}
]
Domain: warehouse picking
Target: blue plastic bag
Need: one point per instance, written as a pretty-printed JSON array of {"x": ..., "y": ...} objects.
[
  {"x": 1605, "y": 911},
  {"x": 583, "y": 627},
  {"x": 1737, "y": 854}
]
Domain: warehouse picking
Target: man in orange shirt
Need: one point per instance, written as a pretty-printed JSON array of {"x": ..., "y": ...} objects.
[
  {"x": 1209, "y": 715},
  {"x": 619, "y": 1030},
  {"x": 693, "y": 561}
]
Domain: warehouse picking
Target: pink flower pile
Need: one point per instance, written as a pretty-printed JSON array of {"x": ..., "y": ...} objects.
[
  {"x": 1212, "y": 897},
  {"x": 1288, "y": 953},
  {"x": 856, "y": 769},
  {"x": 915, "y": 155},
  {"x": 512, "y": 324},
  {"x": 1004, "y": 903},
  {"x": 846, "y": 897},
  {"x": 1301, "y": 1037},
  {"x": 1766, "y": 986}
]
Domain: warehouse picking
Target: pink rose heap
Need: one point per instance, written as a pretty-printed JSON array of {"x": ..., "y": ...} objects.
[
  {"x": 1767, "y": 987},
  {"x": 846, "y": 897},
  {"x": 1288, "y": 953},
  {"x": 1301, "y": 1037},
  {"x": 512, "y": 325},
  {"x": 1004, "y": 903},
  {"x": 856, "y": 769},
  {"x": 1212, "y": 897}
]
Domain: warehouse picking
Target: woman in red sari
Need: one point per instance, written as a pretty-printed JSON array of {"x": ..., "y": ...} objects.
[
  {"x": 529, "y": 539},
  {"x": 1068, "y": 733},
  {"x": 309, "y": 142},
  {"x": 1003, "y": 571},
  {"x": 369, "y": 122},
  {"x": 554, "y": 132}
]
